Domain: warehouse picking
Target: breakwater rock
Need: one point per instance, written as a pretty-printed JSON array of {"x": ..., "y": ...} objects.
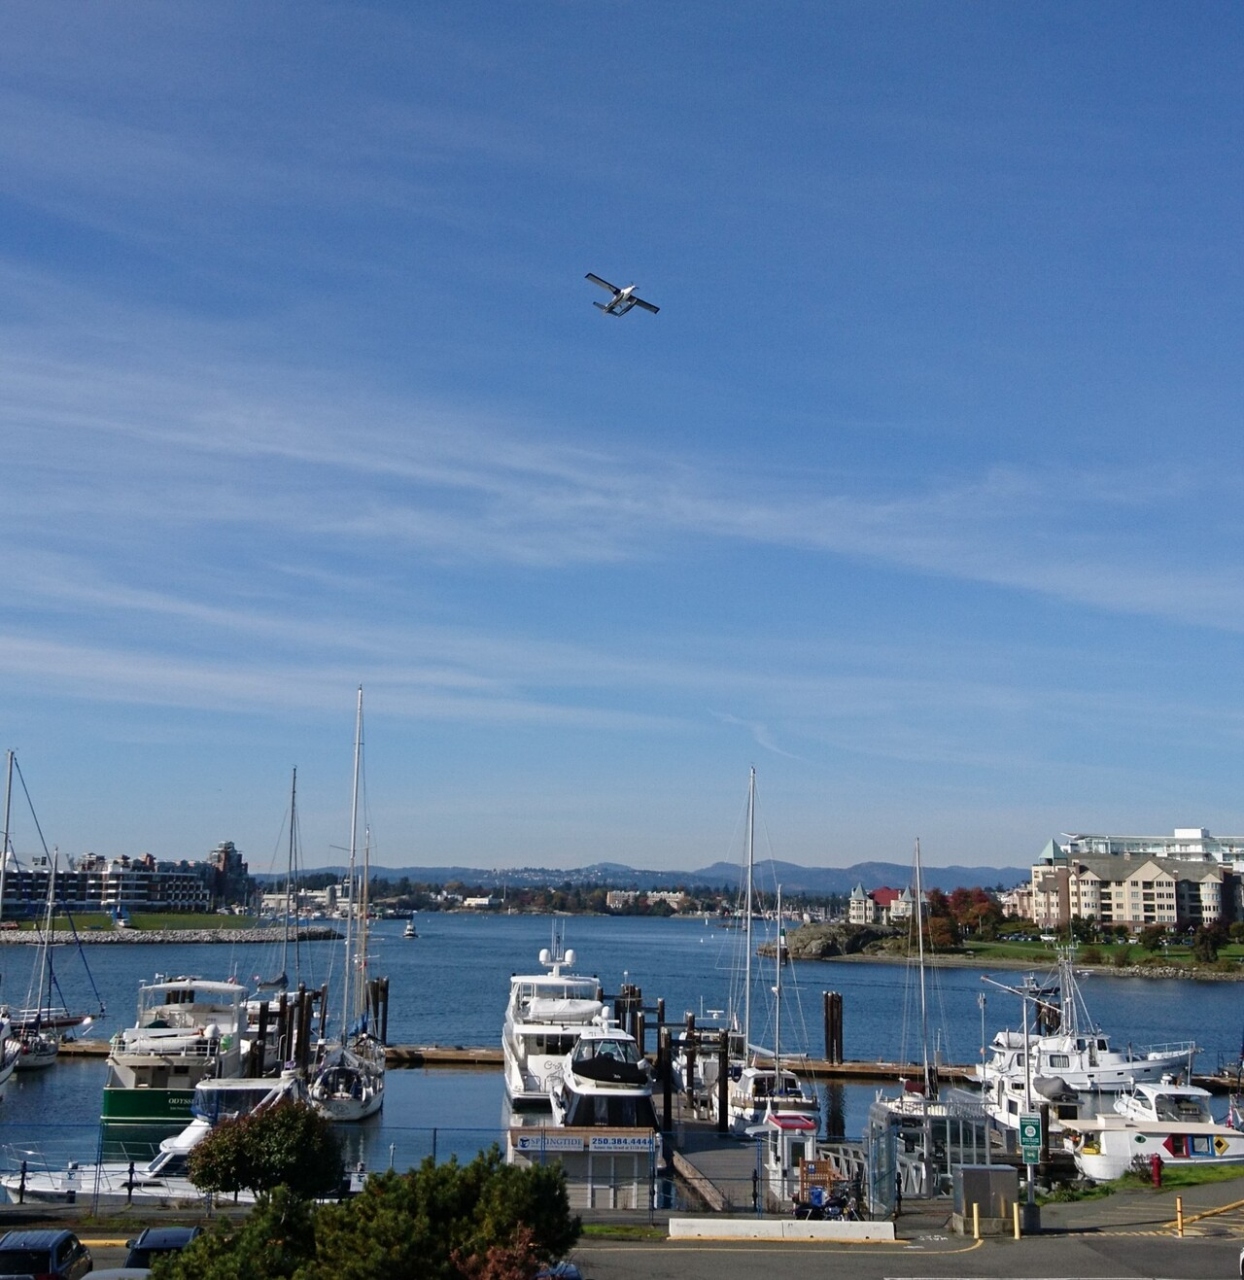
[
  {"x": 824, "y": 941},
  {"x": 314, "y": 933}
]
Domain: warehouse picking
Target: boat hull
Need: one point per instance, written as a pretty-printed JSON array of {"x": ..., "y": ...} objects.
[
  {"x": 147, "y": 1106},
  {"x": 1108, "y": 1151}
]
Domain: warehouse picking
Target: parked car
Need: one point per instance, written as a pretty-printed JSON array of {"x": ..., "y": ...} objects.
[
  {"x": 154, "y": 1242},
  {"x": 559, "y": 1271},
  {"x": 44, "y": 1255}
]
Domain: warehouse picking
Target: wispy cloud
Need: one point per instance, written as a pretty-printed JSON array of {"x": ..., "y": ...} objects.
[{"x": 306, "y": 458}]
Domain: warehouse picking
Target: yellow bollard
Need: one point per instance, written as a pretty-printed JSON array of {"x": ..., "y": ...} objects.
[
  {"x": 1179, "y": 1216},
  {"x": 976, "y": 1221},
  {"x": 1015, "y": 1212}
]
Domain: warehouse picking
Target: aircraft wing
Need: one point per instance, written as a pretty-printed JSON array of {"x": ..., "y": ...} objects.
[
  {"x": 604, "y": 284},
  {"x": 647, "y": 306}
]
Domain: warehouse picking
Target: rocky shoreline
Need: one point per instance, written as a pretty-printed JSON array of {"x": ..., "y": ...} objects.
[{"x": 30, "y": 937}]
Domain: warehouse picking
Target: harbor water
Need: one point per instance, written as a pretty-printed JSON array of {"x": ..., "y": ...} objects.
[{"x": 449, "y": 987}]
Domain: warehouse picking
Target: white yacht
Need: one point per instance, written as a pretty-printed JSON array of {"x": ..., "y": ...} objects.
[
  {"x": 604, "y": 1081},
  {"x": 1169, "y": 1120},
  {"x": 162, "y": 1182},
  {"x": 544, "y": 1018},
  {"x": 187, "y": 1030}
]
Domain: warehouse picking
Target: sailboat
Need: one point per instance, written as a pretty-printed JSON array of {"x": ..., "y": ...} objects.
[
  {"x": 349, "y": 1082},
  {"x": 760, "y": 1085},
  {"x": 281, "y": 1041},
  {"x": 31, "y": 1035},
  {"x": 35, "y": 1046},
  {"x": 919, "y": 1103}
]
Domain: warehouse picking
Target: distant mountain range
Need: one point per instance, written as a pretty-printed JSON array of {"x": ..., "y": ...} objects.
[{"x": 769, "y": 874}]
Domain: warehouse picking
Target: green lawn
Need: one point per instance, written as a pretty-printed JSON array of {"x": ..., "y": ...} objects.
[
  {"x": 149, "y": 920},
  {"x": 1039, "y": 953}
]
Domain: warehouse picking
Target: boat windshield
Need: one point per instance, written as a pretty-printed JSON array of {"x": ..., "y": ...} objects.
[
  {"x": 1180, "y": 1109},
  {"x": 620, "y": 1050},
  {"x": 169, "y": 1163}
]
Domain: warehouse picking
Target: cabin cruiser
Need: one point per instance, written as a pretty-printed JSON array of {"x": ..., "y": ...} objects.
[
  {"x": 1062, "y": 1057},
  {"x": 164, "y": 1181},
  {"x": 187, "y": 1030},
  {"x": 546, "y": 1015},
  {"x": 760, "y": 1090},
  {"x": 604, "y": 1081},
  {"x": 1169, "y": 1120}
]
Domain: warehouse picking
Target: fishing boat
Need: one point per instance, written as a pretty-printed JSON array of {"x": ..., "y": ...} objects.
[
  {"x": 604, "y": 1081},
  {"x": 162, "y": 1182},
  {"x": 1168, "y": 1120},
  {"x": 409, "y": 931},
  {"x": 544, "y": 1017},
  {"x": 187, "y": 1030},
  {"x": 348, "y": 1083}
]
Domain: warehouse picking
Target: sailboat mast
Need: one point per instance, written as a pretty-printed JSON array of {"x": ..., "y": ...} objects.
[
  {"x": 289, "y": 872},
  {"x": 4, "y": 854},
  {"x": 924, "y": 1006},
  {"x": 44, "y": 956},
  {"x": 747, "y": 961},
  {"x": 348, "y": 976},
  {"x": 777, "y": 1003}
]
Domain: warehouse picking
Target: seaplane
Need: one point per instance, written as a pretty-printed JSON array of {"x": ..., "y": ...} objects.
[{"x": 623, "y": 299}]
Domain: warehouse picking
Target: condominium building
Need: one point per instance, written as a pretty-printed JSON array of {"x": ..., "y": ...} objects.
[
  {"x": 1187, "y": 844},
  {"x": 117, "y": 885},
  {"x": 1133, "y": 890}
]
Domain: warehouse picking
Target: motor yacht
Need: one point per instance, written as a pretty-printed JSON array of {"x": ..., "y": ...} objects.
[{"x": 545, "y": 1016}]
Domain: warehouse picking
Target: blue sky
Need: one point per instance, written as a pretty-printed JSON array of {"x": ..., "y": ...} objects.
[{"x": 921, "y": 493}]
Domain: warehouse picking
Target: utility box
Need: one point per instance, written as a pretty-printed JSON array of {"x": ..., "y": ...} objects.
[{"x": 993, "y": 1188}]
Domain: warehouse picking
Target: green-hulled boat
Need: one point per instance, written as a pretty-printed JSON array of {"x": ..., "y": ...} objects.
[{"x": 187, "y": 1030}]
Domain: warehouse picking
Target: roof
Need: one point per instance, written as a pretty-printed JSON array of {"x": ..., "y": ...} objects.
[
  {"x": 792, "y": 1121},
  {"x": 32, "y": 1239},
  {"x": 166, "y": 1237},
  {"x": 884, "y": 896}
]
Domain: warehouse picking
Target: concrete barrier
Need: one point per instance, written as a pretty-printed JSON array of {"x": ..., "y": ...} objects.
[{"x": 777, "y": 1229}]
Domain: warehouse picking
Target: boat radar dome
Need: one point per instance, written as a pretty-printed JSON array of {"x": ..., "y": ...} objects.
[
  {"x": 570, "y": 956},
  {"x": 546, "y": 956}
]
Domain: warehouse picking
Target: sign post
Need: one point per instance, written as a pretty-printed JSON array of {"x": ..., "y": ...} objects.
[
  {"x": 1030, "y": 1146},
  {"x": 1030, "y": 1137}
]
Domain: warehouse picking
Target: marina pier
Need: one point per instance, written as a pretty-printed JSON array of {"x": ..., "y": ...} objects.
[{"x": 486, "y": 1058}]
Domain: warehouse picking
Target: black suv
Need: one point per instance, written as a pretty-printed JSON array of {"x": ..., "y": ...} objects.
[
  {"x": 44, "y": 1255},
  {"x": 154, "y": 1242}
]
